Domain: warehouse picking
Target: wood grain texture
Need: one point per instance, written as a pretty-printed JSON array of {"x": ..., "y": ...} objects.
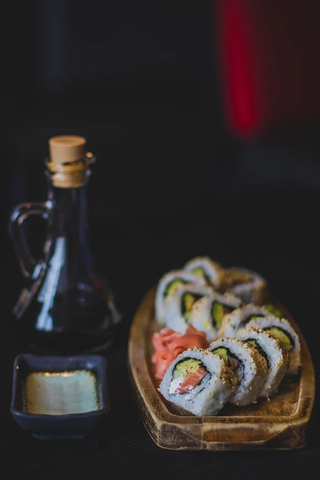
[{"x": 278, "y": 423}]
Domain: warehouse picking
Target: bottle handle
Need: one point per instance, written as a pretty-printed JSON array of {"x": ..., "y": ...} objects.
[{"x": 30, "y": 268}]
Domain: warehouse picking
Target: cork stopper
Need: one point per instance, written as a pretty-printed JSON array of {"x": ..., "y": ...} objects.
[
  {"x": 69, "y": 162},
  {"x": 66, "y": 148}
]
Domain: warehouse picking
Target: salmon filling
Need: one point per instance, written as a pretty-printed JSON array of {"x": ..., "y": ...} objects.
[
  {"x": 231, "y": 361},
  {"x": 187, "y": 375}
]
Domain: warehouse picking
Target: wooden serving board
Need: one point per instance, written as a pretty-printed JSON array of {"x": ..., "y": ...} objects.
[{"x": 280, "y": 423}]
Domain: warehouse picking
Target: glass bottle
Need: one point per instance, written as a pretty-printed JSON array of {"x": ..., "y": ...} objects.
[{"x": 67, "y": 305}]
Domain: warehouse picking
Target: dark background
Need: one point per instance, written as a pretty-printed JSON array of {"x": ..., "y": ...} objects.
[{"x": 142, "y": 82}]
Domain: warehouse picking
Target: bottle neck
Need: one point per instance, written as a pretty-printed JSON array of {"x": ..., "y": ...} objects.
[
  {"x": 70, "y": 212},
  {"x": 68, "y": 234}
]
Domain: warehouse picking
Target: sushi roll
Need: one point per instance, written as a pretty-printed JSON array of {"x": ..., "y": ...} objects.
[
  {"x": 276, "y": 356},
  {"x": 207, "y": 313},
  {"x": 240, "y": 317},
  {"x": 204, "y": 267},
  {"x": 198, "y": 381},
  {"x": 282, "y": 330},
  {"x": 168, "y": 284},
  {"x": 178, "y": 305},
  {"x": 244, "y": 283},
  {"x": 249, "y": 366}
]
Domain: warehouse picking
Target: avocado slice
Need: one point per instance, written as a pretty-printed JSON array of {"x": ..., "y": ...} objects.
[
  {"x": 172, "y": 286},
  {"x": 255, "y": 344},
  {"x": 222, "y": 352},
  {"x": 283, "y": 337},
  {"x": 273, "y": 310},
  {"x": 236, "y": 278},
  {"x": 188, "y": 299},
  {"x": 187, "y": 366},
  {"x": 252, "y": 342},
  {"x": 248, "y": 319},
  {"x": 231, "y": 360},
  {"x": 253, "y": 317},
  {"x": 199, "y": 272},
  {"x": 218, "y": 311}
]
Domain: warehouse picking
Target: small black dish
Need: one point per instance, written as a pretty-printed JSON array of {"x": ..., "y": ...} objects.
[{"x": 59, "y": 396}]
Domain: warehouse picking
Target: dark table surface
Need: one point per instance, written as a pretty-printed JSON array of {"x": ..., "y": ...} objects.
[
  {"x": 170, "y": 183},
  {"x": 273, "y": 231}
]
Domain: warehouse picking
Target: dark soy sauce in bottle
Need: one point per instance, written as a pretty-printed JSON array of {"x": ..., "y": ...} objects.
[{"x": 67, "y": 306}]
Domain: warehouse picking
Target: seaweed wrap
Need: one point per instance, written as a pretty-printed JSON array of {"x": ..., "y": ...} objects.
[
  {"x": 276, "y": 356},
  {"x": 282, "y": 330},
  {"x": 245, "y": 283},
  {"x": 204, "y": 267},
  {"x": 248, "y": 365},
  {"x": 178, "y": 305},
  {"x": 240, "y": 317},
  {"x": 207, "y": 313},
  {"x": 167, "y": 284},
  {"x": 198, "y": 381}
]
